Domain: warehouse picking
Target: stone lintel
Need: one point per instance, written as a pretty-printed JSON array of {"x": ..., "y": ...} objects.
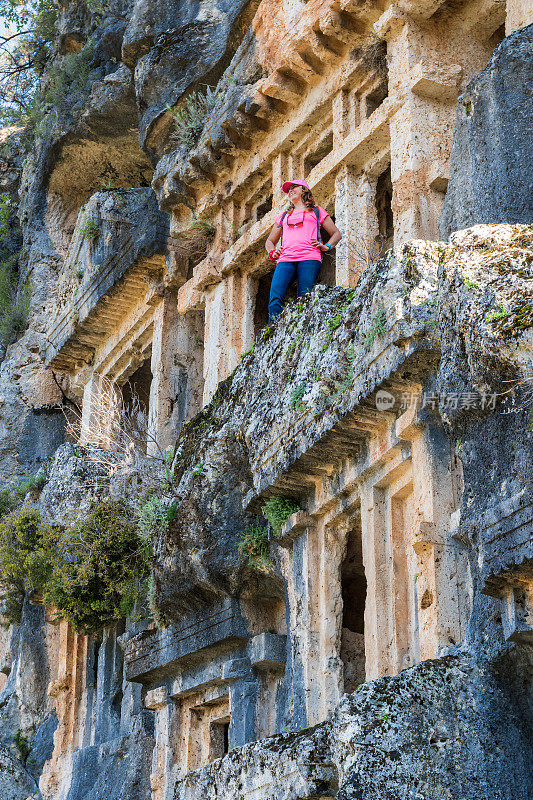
[
  {"x": 236, "y": 669},
  {"x": 127, "y": 347},
  {"x": 155, "y": 653},
  {"x": 210, "y": 671},
  {"x": 251, "y": 240},
  {"x": 212, "y": 690},
  {"x": 79, "y": 330},
  {"x": 156, "y": 698}
]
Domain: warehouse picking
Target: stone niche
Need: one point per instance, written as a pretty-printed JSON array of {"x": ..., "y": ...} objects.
[
  {"x": 116, "y": 329},
  {"x": 215, "y": 680},
  {"x": 376, "y": 580}
]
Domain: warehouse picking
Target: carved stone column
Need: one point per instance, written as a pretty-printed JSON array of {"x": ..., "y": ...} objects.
[
  {"x": 176, "y": 364},
  {"x": 425, "y": 85},
  {"x": 158, "y": 700},
  {"x": 242, "y": 701},
  {"x": 356, "y": 217},
  {"x": 92, "y": 417},
  {"x": 443, "y": 603},
  {"x": 377, "y": 560},
  {"x": 215, "y": 355},
  {"x": 301, "y": 569}
]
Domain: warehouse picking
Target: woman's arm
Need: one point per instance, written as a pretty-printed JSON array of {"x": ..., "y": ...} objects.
[
  {"x": 272, "y": 240},
  {"x": 334, "y": 235}
]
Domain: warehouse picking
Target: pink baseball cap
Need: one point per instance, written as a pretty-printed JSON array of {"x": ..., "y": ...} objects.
[{"x": 287, "y": 185}]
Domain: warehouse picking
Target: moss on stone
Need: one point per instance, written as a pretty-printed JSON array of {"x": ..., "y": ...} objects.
[{"x": 512, "y": 324}]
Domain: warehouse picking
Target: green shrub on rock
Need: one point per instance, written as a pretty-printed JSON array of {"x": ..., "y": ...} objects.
[
  {"x": 91, "y": 573},
  {"x": 27, "y": 548},
  {"x": 23, "y": 746},
  {"x": 14, "y": 303},
  {"x": 153, "y": 518},
  {"x": 27, "y": 553},
  {"x": 253, "y": 543},
  {"x": 101, "y": 569},
  {"x": 277, "y": 511},
  {"x": 192, "y": 114},
  {"x": 89, "y": 227},
  {"x": 12, "y": 495}
]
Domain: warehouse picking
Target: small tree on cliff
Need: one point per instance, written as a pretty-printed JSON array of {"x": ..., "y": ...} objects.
[{"x": 25, "y": 47}]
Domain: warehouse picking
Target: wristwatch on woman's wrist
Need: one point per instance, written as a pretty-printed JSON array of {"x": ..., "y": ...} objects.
[{"x": 327, "y": 244}]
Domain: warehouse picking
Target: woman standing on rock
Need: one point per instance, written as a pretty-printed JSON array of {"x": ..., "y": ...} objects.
[{"x": 301, "y": 245}]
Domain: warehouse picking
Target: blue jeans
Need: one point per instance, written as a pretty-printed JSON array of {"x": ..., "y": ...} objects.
[{"x": 306, "y": 273}]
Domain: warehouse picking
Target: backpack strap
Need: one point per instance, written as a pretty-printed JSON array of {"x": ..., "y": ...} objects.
[
  {"x": 281, "y": 226},
  {"x": 317, "y": 215}
]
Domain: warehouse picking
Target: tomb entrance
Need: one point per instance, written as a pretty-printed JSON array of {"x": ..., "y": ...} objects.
[{"x": 353, "y": 587}]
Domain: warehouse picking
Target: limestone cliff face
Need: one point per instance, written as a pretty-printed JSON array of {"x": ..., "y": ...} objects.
[
  {"x": 137, "y": 61},
  {"x": 254, "y": 436},
  {"x": 490, "y": 174},
  {"x": 441, "y": 333},
  {"x": 433, "y": 721}
]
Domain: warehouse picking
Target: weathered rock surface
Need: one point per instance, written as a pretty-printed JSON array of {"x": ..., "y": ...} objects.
[
  {"x": 15, "y": 783},
  {"x": 158, "y": 44},
  {"x": 27, "y": 714},
  {"x": 492, "y": 157},
  {"x": 115, "y": 230},
  {"x": 81, "y": 477},
  {"x": 321, "y": 350},
  {"x": 458, "y": 318},
  {"x": 200, "y": 561},
  {"x": 183, "y": 166},
  {"x": 27, "y": 393},
  {"x": 426, "y": 733}
]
